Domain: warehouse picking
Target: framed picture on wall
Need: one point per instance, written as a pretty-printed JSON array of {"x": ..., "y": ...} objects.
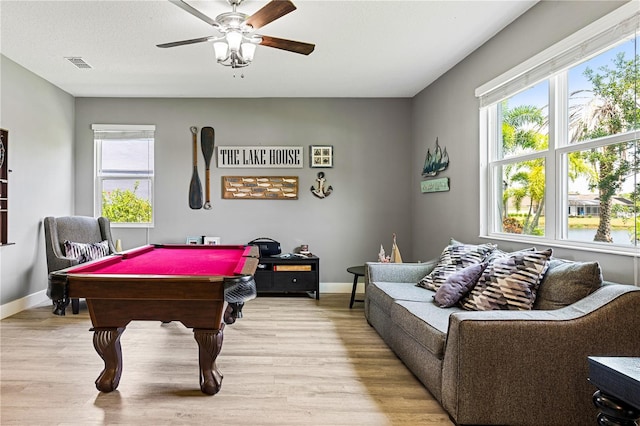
[{"x": 321, "y": 155}]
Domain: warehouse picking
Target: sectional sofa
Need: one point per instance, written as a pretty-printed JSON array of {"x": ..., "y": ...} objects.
[{"x": 507, "y": 367}]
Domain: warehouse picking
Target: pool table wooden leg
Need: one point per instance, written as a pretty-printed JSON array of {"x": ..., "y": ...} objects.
[
  {"x": 107, "y": 344},
  {"x": 209, "y": 345}
]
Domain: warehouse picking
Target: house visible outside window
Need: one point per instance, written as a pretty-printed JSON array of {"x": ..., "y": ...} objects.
[
  {"x": 559, "y": 137},
  {"x": 124, "y": 173}
]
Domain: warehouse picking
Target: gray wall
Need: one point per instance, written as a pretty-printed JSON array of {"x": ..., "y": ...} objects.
[
  {"x": 370, "y": 177},
  {"x": 39, "y": 118},
  {"x": 448, "y": 109}
]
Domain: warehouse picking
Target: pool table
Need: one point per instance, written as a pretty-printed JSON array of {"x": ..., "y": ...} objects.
[{"x": 202, "y": 286}]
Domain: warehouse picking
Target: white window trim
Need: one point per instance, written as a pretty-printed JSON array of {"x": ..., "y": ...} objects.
[
  {"x": 97, "y": 188},
  {"x": 593, "y": 38},
  {"x": 123, "y": 127}
]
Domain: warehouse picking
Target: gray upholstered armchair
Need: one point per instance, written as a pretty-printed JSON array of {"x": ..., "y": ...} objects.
[{"x": 79, "y": 229}]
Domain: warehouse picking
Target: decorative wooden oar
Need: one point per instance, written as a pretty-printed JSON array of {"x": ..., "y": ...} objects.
[
  {"x": 207, "y": 141},
  {"x": 195, "y": 187}
]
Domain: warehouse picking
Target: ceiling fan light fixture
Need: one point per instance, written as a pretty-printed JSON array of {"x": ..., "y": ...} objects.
[
  {"x": 221, "y": 49},
  {"x": 248, "y": 51},
  {"x": 234, "y": 38}
]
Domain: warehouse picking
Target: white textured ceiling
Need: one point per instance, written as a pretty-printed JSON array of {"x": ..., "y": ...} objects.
[{"x": 363, "y": 48}]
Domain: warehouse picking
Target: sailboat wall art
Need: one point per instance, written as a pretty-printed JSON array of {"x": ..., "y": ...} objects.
[{"x": 436, "y": 162}]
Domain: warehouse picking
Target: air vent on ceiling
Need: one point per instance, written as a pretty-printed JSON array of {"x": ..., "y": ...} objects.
[{"x": 78, "y": 62}]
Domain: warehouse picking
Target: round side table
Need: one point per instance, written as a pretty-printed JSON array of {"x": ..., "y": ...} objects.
[{"x": 357, "y": 271}]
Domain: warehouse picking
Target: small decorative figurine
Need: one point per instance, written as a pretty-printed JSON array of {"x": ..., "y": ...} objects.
[
  {"x": 395, "y": 253},
  {"x": 382, "y": 256},
  {"x": 321, "y": 191}
]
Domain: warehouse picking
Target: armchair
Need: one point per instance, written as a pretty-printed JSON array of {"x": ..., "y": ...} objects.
[{"x": 79, "y": 229}]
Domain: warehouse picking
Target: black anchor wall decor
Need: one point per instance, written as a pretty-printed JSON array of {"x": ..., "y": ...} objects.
[{"x": 321, "y": 190}]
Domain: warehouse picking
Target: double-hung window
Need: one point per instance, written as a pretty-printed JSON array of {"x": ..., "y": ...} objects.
[
  {"x": 559, "y": 141},
  {"x": 124, "y": 173}
]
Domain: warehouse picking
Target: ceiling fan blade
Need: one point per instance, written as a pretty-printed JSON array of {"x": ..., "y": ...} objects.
[
  {"x": 270, "y": 12},
  {"x": 183, "y": 42},
  {"x": 195, "y": 12},
  {"x": 290, "y": 45}
]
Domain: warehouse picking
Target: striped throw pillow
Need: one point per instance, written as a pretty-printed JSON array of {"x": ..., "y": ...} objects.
[
  {"x": 454, "y": 258},
  {"x": 85, "y": 252},
  {"x": 509, "y": 282}
]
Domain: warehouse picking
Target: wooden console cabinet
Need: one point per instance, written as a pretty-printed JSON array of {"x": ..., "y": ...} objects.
[{"x": 288, "y": 275}]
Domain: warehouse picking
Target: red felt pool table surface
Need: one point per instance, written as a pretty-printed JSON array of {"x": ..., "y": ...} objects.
[{"x": 189, "y": 260}]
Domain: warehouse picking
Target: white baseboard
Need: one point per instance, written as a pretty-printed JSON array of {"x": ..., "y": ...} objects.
[
  {"x": 339, "y": 287},
  {"x": 26, "y": 302}
]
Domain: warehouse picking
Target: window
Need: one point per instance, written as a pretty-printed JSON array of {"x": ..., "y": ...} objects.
[
  {"x": 124, "y": 173},
  {"x": 559, "y": 136}
]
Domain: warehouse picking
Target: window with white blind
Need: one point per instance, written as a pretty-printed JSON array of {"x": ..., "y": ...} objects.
[
  {"x": 124, "y": 173},
  {"x": 559, "y": 135}
]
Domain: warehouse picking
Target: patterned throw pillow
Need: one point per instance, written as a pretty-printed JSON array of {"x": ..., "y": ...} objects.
[
  {"x": 497, "y": 254},
  {"x": 458, "y": 285},
  {"x": 455, "y": 257},
  {"x": 509, "y": 283},
  {"x": 85, "y": 252}
]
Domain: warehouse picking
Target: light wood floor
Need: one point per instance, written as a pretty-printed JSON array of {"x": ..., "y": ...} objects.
[{"x": 289, "y": 361}]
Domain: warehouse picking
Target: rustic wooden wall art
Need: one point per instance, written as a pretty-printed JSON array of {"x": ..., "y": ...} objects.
[{"x": 260, "y": 187}]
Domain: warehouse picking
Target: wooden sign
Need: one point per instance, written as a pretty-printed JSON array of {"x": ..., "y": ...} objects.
[
  {"x": 260, "y": 187},
  {"x": 260, "y": 157},
  {"x": 435, "y": 185}
]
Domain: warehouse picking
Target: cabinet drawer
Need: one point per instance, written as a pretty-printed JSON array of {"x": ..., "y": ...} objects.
[{"x": 294, "y": 281}]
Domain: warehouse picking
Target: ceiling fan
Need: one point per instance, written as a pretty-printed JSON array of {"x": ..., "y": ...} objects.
[{"x": 236, "y": 45}]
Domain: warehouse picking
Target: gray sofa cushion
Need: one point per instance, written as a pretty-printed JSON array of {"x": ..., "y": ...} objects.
[
  {"x": 566, "y": 282},
  {"x": 426, "y": 323},
  {"x": 381, "y": 296},
  {"x": 384, "y": 294}
]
